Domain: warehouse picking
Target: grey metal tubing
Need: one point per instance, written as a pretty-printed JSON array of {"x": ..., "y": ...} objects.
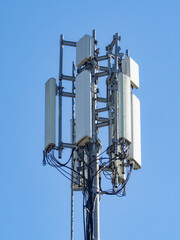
[
  {"x": 102, "y": 68},
  {"x": 116, "y": 37},
  {"x": 101, "y": 74},
  {"x": 103, "y": 124},
  {"x": 103, "y": 119},
  {"x": 72, "y": 175},
  {"x": 109, "y": 99},
  {"x": 69, "y": 43},
  {"x": 98, "y": 110},
  {"x": 102, "y": 58},
  {"x": 103, "y": 100},
  {"x": 73, "y": 104},
  {"x": 115, "y": 117},
  {"x": 113, "y": 56},
  {"x": 96, "y": 163},
  {"x": 60, "y": 95},
  {"x": 68, "y": 145},
  {"x": 111, "y": 45},
  {"x": 69, "y": 78},
  {"x": 116, "y": 53},
  {"x": 67, "y": 94}
]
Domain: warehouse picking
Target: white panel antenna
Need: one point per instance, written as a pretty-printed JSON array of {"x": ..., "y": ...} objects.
[
  {"x": 84, "y": 50},
  {"x": 50, "y": 114},
  {"x": 83, "y": 108},
  {"x": 131, "y": 68},
  {"x": 124, "y": 107},
  {"x": 135, "y": 148}
]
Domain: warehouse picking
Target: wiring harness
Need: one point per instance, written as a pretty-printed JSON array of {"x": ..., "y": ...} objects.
[{"x": 84, "y": 176}]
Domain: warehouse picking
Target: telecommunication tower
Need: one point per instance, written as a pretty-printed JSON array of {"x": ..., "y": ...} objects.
[{"x": 119, "y": 111}]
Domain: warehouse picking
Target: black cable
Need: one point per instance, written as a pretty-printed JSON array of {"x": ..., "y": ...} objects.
[
  {"x": 95, "y": 158},
  {"x": 64, "y": 165},
  {"x": 84, "y": 161},
  {"x": 100, "y": 169},
  {"x": 49, "y": 161},
  {"x": 89, "y": 199},
  {"x": 107, "y": 175},
  {"x": 62, "y": 173},
  {"x": 123, "y": 185}
]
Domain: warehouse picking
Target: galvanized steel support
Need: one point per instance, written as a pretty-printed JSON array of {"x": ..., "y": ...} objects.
[
  {"x": 73, "y": 142},
  {"x": 60, "y": 94},
  {"x": 95, "y": 186},
  {"x": 111, "y": 72}
]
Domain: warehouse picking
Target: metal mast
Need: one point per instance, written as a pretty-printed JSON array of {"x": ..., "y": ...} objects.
[
  {"x": 73, "y": 141},
  {"x": 95, "y": 164},
  {"x": 120, "y": 113}
]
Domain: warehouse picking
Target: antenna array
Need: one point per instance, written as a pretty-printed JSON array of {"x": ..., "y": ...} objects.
[{"x": 120, "y": 113}]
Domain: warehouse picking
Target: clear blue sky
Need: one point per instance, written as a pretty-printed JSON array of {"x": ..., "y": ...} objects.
[{"x": 35, "y": 200}]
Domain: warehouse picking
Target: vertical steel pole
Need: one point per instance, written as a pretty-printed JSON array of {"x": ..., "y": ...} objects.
[
  {"x": 116, "y": 38},
  {"x": 109, "y": 103},
  {"x": 115, "y": 88},
  {"x": 60, "y": 94},
  {"x": 72, "y": 176},
  {"x": 95, "y": 165}
]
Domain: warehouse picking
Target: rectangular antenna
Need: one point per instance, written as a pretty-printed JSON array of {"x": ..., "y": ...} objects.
[
  {"x": 124, "y": 107},
  {"x": 135, "y": 147},
  {"x": 50, "y": 114},
  {"x": 83, "y": 108},
  {"x": 84, "y": 50},
  {"x": 131, "y": 68}
]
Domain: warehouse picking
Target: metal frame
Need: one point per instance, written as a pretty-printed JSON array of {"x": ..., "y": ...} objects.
[
  {"x": 111, "y": 72},
  {"x": 111, "y": 107},
  {"x": 63, "y": 43}
]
